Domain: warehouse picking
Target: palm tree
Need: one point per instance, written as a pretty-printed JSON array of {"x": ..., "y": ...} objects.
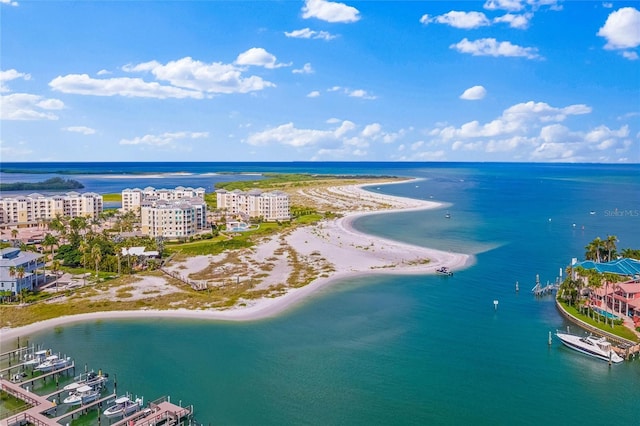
[
  {"x": 50, "y": 241},
  {"x": 14, "y": 233},
  {"x": 55, "y": 267},
  {"x": 20, "y": 272},
  {"x": 12, "y": 274},
  {"x": 610, "y": 245},
  {"x": 96, "y": 255}
]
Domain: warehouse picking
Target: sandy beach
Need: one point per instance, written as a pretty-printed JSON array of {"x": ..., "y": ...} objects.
[{"x": 334, "y": 246}]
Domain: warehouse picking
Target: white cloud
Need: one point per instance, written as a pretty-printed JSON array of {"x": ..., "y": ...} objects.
[
  {"x": 9, "y": 75},
  {"x": 602, "y": 133},
  {"x": 632, "y": 56},
  {"x": 289, "y": 135},
  {"x": 330, "y": 11},
  {"x": 313, "y": 94},
  {"x": 516, "y": 119},
  {"x": 165, "y": 139},
  {"x": 339, "y": 139},
  {"x": 607, "y": 5},
  {"x": 259, "y": 57},
  {"x": 200, "y": 77},
  {"x": 103, "y": 72},
  {"x": 474, "y": 93},
  {"x": 492, "y": 47},
  {"x": 306, "y": 69},
  {"x": 9, "y": 2},
  {"x": 309, "y": 33},
  {"x": 80, "y": 129},
  {"x": 519, "y": 22},
  {"x": 82, "y": 84},
  {"x": 354, "y": 93},
  {"x": 371, "y": 130},
  {"x": 456, "y": 19},
  {"x": 25, "y": 106},
  {"x": 511, "y": 5},
  {"x": 622, "y": 29},
  {"x": 359, "y": 93}
]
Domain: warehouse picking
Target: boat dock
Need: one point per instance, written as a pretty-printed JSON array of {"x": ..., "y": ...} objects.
[
  {"x": 539, "y": 290},
  {"x": 19, "y": 381}
]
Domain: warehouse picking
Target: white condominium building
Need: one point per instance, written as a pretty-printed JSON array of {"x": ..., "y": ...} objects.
[
  {"x": 173, "y": 218},
  {"x": 271, "y": 206},
  {"x": 132, "y": 199},
  {"x": 30, "y": 209}
]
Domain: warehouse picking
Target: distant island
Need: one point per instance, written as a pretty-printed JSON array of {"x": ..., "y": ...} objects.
[{"x": 53, "y": 184}]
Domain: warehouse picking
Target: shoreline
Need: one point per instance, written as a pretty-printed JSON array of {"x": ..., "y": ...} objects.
[{"x": 336, "y": 239}]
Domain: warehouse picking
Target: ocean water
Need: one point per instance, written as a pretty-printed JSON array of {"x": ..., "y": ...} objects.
[{"x": 396, "y": 350}]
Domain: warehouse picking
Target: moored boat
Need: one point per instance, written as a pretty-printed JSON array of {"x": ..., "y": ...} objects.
[
  {"x": 53, "y": 362},
  {"x": 83, "y": 395},
  {"x": 597, "y": 347},
  {"x": 36, "y": 358},
  {"x": 122, "y": 407},
  {"x": 90, "y": 378},
  {"x": 444, "y": 271}
]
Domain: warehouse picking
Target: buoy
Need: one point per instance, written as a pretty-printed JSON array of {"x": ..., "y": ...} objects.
[
  {"x": 495, "y": 305},
  {"x": 517, "y": 289},
  {"x": 549, "y": 338}
]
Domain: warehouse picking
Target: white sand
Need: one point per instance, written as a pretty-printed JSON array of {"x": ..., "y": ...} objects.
[{"x": 350, "y": 253}]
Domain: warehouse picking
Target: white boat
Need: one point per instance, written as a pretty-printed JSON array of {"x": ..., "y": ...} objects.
[
  {"x": 444, "y": 271},
  {"x": 90, "y": 378},
  {"x": 36, "y": 358},
  {"x": 594, "y": 346},
  {"x": 122, "y": 407},
  {"x": 83, "y": 395},
  {"x": 53, "y": 362}
]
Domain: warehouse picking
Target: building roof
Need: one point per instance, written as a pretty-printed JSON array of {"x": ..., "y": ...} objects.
[
  {"x": 622, "y": 266},
  {"x": 12, "y": 256},
  {"x": 138, "y": 251}
]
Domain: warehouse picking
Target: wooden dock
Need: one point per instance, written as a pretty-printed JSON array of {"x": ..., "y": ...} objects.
[{"x": 37, "y": 414}]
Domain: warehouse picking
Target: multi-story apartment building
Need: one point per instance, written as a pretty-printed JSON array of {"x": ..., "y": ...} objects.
[
  {"x": 28, "y": 210},
  {"x": 173, "y": 218},
  {"x": 132, "y": 199},
  {"x": 271, "y": 206}
]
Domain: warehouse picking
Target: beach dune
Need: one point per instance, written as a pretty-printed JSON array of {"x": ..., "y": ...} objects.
[{"x": 348, "y": 253}]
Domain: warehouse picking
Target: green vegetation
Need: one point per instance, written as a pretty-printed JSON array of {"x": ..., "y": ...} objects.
[
  {"x": 53, "y": 184},
  {"x": 112, "y": 197},
  {"x": 599, "y": 322},
  {"x": 273, "y": 181}
]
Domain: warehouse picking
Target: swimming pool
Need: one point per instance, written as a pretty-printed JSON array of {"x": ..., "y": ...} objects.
[{"x": 605, "y": 313}]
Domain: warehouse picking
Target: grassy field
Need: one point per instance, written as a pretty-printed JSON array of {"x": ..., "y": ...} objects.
[
  {"x": 618, "y": 330},
  {"x": 112, "y": 197}
]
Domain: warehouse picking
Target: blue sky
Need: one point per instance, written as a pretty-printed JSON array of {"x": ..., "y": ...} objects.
[{"x": 314, "y": 80}]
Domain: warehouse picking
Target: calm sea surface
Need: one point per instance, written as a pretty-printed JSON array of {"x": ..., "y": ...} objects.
[{"x": 414, "y": 350}]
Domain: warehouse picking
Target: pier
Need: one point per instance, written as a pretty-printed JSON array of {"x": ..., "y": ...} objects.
[
  {"x": 539, "y": 290},
  {"x": 46, "y": 409}
]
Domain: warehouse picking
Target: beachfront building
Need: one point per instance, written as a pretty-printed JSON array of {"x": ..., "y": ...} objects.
[
  {"x": 19, "y": 270},
  {"x": 173, "y": 218},
  {"x": 132, "y": 199},
  {"x": 30, "y": 210},
  {"x": 270, "y": 206}
]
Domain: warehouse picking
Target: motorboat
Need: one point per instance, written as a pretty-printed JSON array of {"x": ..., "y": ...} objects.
[
  {"x": 594, "y": 346},
  {"x": 444, "y": 271},
  {"x": 52, "y": 363},
  {"x": 83, "y": 395},
  {"x": 447, "y": 215},
  {"x": 122, "y": 407},
  {"x": 91, "y": 378},
  {"x": 36, "y": 358}
]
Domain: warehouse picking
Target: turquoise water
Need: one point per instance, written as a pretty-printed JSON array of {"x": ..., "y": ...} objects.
[
  {"x": 407, "y": 350},
  {"x": 606, "y": 313}
]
